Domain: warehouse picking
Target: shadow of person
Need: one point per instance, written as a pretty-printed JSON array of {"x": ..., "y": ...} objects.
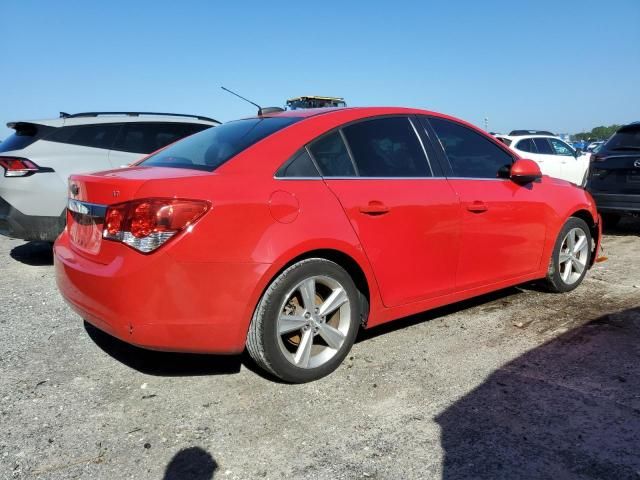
[
  {"x": 35, "y": 254},
  {"x": 166, "y": 364},
  {"x": 192, "y": 463},
  {"x": 567, "y": 409}
]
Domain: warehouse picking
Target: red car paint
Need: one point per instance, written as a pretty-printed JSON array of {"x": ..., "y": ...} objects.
[{"x": 442, "y": 241}]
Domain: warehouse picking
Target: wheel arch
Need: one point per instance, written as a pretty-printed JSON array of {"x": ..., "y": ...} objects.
[{"x": 357, "y": 268}]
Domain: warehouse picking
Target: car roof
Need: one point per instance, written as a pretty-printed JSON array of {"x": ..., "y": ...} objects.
[
  {"x": 359, "y": 112},
  {"x": 93, "y": 118}
]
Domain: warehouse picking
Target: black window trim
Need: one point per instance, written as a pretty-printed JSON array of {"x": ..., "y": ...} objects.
[
  {"x": 443, "y": 154},
  {"x": 410, "y": 118},
  {"x": 283, "y": 167}
]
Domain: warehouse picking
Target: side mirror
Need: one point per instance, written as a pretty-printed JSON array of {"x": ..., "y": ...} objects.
[{"x": 525, "y": 171}]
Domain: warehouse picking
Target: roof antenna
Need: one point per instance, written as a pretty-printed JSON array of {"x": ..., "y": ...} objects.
[{"x": 245, "y": 99}]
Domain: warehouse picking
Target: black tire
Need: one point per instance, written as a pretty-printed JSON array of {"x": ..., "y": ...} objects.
[
  {"x": 610, "y": 220},
  {"x": 554, "y": 280},
  {"x": 263, "y": 337}
]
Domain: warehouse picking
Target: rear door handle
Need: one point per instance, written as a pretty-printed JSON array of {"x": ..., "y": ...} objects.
[
  {"x": 374, "y": 208},
  {"x": 477, "y": 207}
]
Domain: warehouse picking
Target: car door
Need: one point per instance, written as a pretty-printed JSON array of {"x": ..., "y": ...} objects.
[
  {"x": 403, "y": 210},
  {"x": 138, "y": 139},
  {"x": 503, "y": 224},
  {"x": 572, "y": 166}
]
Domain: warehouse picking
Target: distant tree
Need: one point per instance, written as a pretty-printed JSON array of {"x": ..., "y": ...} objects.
[{"x": 600, "y": 133}]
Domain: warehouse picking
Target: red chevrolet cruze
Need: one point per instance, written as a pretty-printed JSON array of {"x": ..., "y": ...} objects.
[{"x": 286, "y": 233}]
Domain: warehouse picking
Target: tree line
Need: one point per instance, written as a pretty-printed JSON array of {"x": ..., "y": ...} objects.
[{"x": 600, "y": 133}]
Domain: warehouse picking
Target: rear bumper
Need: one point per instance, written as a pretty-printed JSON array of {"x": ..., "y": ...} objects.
[
  {"x": 14, "y": 223},
  {"x": 157, "y": 302},
  {"x": 616, "y": 203}
]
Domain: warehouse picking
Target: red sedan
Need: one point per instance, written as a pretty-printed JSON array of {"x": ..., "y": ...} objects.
[{"x": 286, "y": 233}]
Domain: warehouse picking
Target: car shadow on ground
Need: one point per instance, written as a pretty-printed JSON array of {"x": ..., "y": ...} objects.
[
  {"x": 492, "y": 301},
  {"x": 35, "y": 254},
  {"x": 567, "y": 409},
  {"x": 165, "y": 364}
]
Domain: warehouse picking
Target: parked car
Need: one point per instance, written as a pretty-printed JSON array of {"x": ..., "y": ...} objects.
[
  {"x": 614, "y": 179},
  {"x": 286, "y": 233},
  {"x": 554, "y": 156},
  {"x": 594, "y": 145},
  {"x": 39, "y": 157}
]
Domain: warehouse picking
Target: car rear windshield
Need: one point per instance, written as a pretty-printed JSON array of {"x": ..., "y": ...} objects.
[
  {"x": 209, "y": 149},
  {"x": 26, "y": 134},
  {"x": 627, "y": 138}
]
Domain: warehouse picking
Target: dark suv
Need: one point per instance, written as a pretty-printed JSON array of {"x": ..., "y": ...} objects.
[{"x": 614, "y": 176}]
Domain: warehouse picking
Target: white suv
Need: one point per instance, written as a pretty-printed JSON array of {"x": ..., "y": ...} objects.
[
  {"x": 37, "y": 159},
  {"x": 554, "y": 156}
]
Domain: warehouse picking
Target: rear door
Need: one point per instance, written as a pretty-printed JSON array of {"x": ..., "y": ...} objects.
[
  {"x": 503, "y": 224},
  {"x": 403, "y": 210},
  {"x": 137, "y": 139}
]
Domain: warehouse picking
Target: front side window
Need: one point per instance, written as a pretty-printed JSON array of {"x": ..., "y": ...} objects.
[
  {"x": 470, "y": 154},
  {"x": 212, "y": 147},
  {"x": 561, "y": 148},
  {"x": 526, "y": 145},
  {"x": 543, "y": 146},
  {"x": 332, "y": 157},
  {"x": 95, "y": 136},
  {"x": 387, "y": 147}
]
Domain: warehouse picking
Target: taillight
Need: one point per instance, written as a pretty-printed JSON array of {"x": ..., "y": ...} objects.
[
  {"x": 147, "y": 224},
  {"x": 595, "y": 158},
  {"x": 18, "y": 167}
]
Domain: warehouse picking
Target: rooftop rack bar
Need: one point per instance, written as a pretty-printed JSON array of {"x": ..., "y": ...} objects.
[{"x": 134, "y": 114}]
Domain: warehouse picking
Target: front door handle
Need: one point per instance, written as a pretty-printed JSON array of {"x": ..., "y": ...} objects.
[
  {"x": 374, "y": 207},
  {"x": 477, "y": 207}
]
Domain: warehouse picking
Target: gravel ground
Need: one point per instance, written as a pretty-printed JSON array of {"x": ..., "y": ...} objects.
[{"x": 517, "y": 384}]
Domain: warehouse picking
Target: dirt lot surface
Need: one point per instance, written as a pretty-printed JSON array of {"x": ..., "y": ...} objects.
[{"x": 518, "y": 384}]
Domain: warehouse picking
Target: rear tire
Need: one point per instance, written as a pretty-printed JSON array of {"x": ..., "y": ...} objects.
[
  {"x": 306, "y": 321},
  {"x": 571, "y": 256}
]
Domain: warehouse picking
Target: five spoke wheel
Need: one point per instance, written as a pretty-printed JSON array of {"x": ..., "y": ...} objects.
[
  {"x": 574, "y": 254},
  {"x": 314, "y": 321}
]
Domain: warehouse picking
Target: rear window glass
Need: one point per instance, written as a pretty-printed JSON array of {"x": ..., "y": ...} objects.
[
  {"x": 627, "y": 138},
  {"x": 149, "y": 137},
  {"x": 94, "y": 136},
  {"x": 25, "y": 135},
  {"x": 210, "y": 148}
]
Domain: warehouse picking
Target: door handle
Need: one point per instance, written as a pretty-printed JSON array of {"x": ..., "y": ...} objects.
[
  {"x": 374, "y": 208},
  {"x": 477, "y": 207}
]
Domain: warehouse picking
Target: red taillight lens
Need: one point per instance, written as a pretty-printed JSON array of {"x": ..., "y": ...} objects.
[
  {"x": 17, "y": 167},
  {"x": 596, "y": 158},
  {"x": 147, "y": 224}
]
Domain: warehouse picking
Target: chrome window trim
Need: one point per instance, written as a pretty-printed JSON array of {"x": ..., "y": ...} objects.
[{"x": 424, "y": 150}]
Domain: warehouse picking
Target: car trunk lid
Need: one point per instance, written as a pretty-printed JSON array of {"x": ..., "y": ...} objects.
[{"x": 616, "y": 172}]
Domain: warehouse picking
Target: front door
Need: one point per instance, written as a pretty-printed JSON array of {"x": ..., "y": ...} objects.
[{"x": 503, "y": 224}]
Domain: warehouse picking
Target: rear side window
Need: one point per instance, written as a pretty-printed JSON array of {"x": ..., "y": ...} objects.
[
  {"x": 95, "y": 136},
  {"x": 210, "y": 148},
  {"x": 300, "y": 165},
  {"x": 332, "y": 157},
  {"x": 470, "y": 154},
  {"x": 526, "y": 145},
  {"x": 149, "y": 137},
  {"x": 543, "y": 146},
  {"x": 387, "y": 147},
  {"x": 25, "y": 134}
]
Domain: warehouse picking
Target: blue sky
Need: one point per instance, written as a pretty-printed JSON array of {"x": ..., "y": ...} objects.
[{"x": 559, "y": 65}]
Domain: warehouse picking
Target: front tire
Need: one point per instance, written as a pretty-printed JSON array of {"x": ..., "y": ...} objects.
[
  {"x": 571, "y": 256},
  {"x": 306, "y": 321}
]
